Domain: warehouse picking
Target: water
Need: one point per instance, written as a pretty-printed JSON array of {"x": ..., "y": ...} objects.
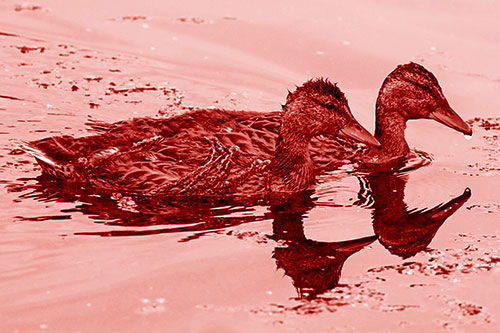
[{"x": 72, "y": 261}]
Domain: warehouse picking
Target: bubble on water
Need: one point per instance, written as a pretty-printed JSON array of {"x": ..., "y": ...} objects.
[{"x": 468, "y": 137}]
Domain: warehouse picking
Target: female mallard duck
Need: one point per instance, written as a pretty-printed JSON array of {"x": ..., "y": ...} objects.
[
  {"x": 205, "y": 152},
  {"x": 408, "y": 92}
]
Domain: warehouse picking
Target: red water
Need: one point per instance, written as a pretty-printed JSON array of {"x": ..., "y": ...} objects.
[{"x": 246, "y": 268}]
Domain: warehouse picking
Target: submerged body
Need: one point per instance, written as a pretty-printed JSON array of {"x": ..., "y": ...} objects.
[{"x": 206, "y": 152}]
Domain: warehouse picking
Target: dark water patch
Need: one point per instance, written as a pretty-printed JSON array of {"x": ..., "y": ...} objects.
[
  {"x": 449, "y": 263},
  {"x": 486, "y": 123},
  {"x": 458, "y": 312},
  {"x": 193, "y": 20},
  {"x": 27, "y": 7},
  {"x": 11, "y": 98},
  {"x": 28, "y": 49},
  {"x": 6, "y": 34},
  {"x": 355, "y": 295},
  {"x": 486, "y": 147},
  {"x": 131, "y": 18},
  {"x": 43, "y": 218},
  {"x": 492, "y": 208},
  {"x": 92, "y": 78}
]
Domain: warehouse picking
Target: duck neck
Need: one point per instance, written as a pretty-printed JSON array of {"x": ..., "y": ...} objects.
[
  {"x": 390, "y": 128},
  {"x": 291, "y": 168}
]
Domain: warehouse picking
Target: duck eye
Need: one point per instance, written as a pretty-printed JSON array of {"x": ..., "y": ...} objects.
[{"x": 330, "y": 106}]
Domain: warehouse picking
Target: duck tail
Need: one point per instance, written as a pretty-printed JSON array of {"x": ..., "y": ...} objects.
[
  {"x": 98, "y": 126},
  {"x": 49, "y": 166}
]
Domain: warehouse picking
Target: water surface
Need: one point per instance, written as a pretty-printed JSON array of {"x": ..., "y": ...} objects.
[{"x": 358, "y": 254}]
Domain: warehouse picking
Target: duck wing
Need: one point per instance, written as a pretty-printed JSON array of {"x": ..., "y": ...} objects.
[{"x": 202, "y": 166}]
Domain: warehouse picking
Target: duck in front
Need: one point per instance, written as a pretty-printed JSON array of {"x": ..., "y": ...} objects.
[{"x": 205, "y": 152}]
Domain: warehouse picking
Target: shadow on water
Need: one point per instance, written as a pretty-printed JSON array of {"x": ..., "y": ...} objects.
[{"x": 314, "y": 266}]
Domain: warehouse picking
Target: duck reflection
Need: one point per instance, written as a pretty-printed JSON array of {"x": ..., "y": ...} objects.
[
  {"x": 314, "y": 266},
  {"x": 405, "y": 232},
  {"x": 143, "y": 216}
]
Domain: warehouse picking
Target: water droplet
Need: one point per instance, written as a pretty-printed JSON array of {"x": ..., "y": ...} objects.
[{"x": 468, "y": 137}]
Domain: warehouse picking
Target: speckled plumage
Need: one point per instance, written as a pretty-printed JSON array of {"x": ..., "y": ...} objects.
[{"x": 203, "y": 152}]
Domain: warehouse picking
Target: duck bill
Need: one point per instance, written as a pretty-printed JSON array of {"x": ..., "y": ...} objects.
[
  {"x": 353, "y": 246},
  {"x": 446, "y": 116},
  {"x": 358, "y": 133},
  {"x": 443, "y": 211}
]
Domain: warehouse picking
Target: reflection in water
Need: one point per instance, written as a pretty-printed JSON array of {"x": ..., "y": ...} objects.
[
  {"x": 314, "y": 266},
  {"x": 401, "y": 231},
  {"x": 144, "y": 216}
]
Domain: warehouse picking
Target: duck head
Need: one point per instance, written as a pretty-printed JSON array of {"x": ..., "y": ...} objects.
[
  {"x": 319, "y": 107},
  {"x": 315, "y": 108},
  {"x": 414, "y": 93}
]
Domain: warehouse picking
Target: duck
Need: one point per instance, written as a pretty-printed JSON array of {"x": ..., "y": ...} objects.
[
  {"x": 409, "y": 92},
  {"x": 205, "y": 151}
]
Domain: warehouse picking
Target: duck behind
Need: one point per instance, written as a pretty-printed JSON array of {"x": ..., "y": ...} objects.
[
  {"x": 205, "y": 152},
  {"x": 409, "y": 92}
]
